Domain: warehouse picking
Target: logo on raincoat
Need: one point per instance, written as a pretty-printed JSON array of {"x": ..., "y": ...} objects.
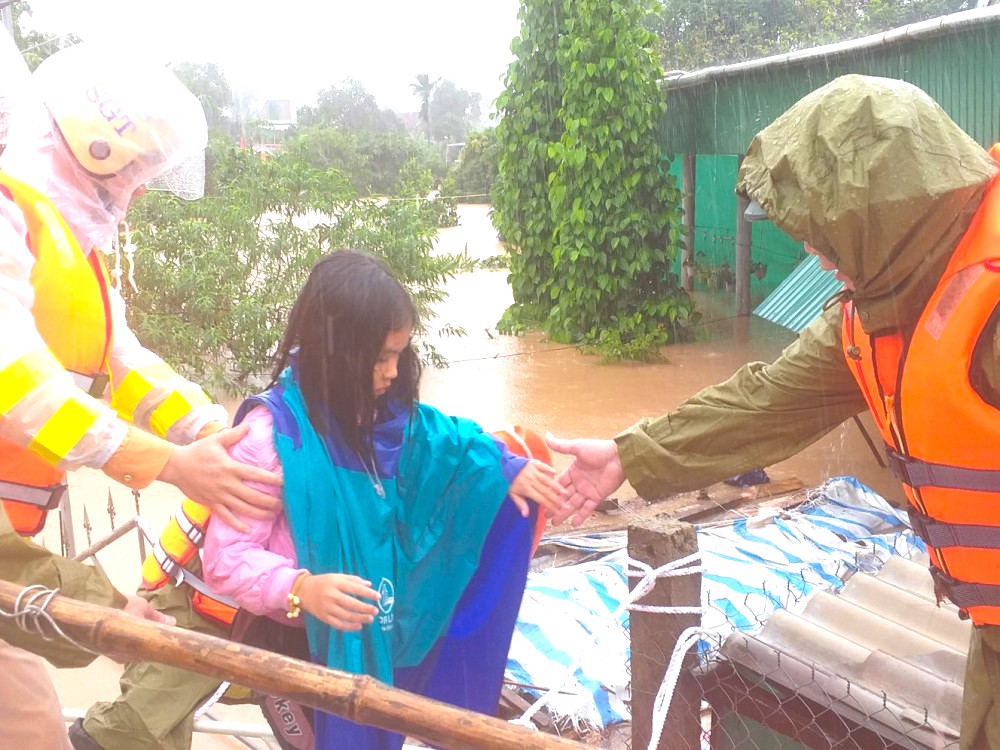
[{"x": 386, "y": 603}]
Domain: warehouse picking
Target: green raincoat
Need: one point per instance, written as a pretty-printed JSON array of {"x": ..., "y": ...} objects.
[{"x": 874, "y": 175}]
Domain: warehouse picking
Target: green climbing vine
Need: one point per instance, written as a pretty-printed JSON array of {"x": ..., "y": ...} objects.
[{"x": 583, "y": 197}]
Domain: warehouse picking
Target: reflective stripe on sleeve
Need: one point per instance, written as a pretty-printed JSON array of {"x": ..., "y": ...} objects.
[
  {"x": 64, "y": 430},
  {"x": 136, "y": 385},
  {"x": 174, "y": 408},
  {"x": 24, "y": 375}
]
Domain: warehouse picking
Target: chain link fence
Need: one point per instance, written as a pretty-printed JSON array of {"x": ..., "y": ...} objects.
[{"x": 845, "y": 649}]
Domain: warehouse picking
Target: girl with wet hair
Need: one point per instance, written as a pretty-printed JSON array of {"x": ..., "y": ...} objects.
[{"x": 396, "y": 546}]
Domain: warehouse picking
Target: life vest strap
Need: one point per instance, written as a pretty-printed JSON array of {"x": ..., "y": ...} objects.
[
  {"x": 941, "y": 535},
  {"x": 917, "y": 473},
  {"x": 191, "y": 530},
  {"x": 92, "y": 385},
  {"x": 47, "y": 498},
  {"x": 186, "y": 576},
  {"x": 965, "y": 595}
]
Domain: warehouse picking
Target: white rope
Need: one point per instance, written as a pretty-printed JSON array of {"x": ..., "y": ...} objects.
[
  {"x": 211, "y": 700},
  {"x": 666, "y": 610},
  {"x": 31, "y": 616},
  {"x": 116, "y": 272},
  {"x": 129, "y": 250},
  {"x": 643, "y": 587},
  {"x": 665, "y": 694},
  {"x": 523, "y": 722}
]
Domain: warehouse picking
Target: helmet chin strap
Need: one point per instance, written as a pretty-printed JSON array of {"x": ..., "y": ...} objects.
[{"x": 128, "y": 249}]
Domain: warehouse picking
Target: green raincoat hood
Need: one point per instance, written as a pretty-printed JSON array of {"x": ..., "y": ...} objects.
[{"x": 873, "y": 174}]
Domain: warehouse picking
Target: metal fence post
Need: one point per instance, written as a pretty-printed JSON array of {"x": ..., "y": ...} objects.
[
  {"x": 743, "y": 255},
  {"x": 687, "y": 251}
]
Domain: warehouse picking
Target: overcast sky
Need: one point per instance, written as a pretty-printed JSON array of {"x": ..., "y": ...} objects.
[{"x": 289, "y": 49}]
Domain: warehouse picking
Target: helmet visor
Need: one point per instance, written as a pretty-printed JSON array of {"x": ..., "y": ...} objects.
[{"x": 186, "y": 180}]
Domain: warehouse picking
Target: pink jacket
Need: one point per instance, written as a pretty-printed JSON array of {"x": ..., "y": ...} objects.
[{"x": 255, "y": 568}]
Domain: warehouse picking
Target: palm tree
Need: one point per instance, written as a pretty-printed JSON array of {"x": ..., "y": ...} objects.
[{"x": 423, "y": 89}]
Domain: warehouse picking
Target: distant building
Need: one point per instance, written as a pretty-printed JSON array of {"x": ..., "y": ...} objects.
[
  {"x": 452, "y": 151},
  {"x": 278, "y": 113}
]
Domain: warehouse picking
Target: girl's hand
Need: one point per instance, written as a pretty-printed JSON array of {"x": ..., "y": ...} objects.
[
  {"x": 595, "y": 473},
  {"x": 333, "y": 598},
  {"x": 536, "y": 481}
]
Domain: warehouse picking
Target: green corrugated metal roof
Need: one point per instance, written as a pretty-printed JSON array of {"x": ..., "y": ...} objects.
[
  {"x": 799, "y": 299},
  {"x": 955, "y": 59}
]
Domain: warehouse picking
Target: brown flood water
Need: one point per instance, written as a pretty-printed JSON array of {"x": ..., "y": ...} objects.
[{"x": 527, "y": 380}]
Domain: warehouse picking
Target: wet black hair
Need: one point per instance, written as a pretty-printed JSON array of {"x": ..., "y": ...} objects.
[{"x": 335, "y": 333}]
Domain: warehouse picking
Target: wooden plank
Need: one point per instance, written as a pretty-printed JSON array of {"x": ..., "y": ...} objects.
[
  {"x": 713, "y": 503},
  {"x": 359, "y": 698}
]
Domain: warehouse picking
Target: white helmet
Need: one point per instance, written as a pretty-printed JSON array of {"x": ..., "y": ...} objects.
[{"x": 125, "y": 119}]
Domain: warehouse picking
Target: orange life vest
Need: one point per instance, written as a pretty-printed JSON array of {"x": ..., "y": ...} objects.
[
  {"x": 72, "y": 312},
  {"x": 185, "y": 533},
  {"x": 941, "y": 437}
]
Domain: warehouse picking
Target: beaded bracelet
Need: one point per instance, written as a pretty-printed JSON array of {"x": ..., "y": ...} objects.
[{"x": 294, "y": 603}]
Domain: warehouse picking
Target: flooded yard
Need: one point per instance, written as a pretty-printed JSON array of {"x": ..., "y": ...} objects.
[{"x": 528, "y": 380}]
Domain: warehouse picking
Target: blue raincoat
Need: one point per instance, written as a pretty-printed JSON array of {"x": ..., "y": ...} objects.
[{"x": 428, "y": 526}]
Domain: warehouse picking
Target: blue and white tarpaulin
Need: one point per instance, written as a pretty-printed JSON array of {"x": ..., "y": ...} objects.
[{"x": 751, "y": 568}]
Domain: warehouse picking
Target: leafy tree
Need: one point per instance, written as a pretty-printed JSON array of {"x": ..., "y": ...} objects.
[
  {"x": 371, "y": 161},
  {"x": 349, "y": 107},
  {"x": 323, "y": 147},
  {"x": 207, "y": 82},
  {"x": 474, "y": 172},
  {"x": 423, "y": 89},
  {"x": 582, "y": 195},
  {"x": 217, "y": 277},
  {"x": 698, "y": 33},
  {"x": 35, "y": 46},
  {"x": 452, "y": 111}
]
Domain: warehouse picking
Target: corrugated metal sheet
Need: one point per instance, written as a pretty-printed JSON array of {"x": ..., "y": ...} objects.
[
  {"x": 882, "y": 643},
  {"x": 959, "y": 67},
  {"x": 799, "y": 299}
]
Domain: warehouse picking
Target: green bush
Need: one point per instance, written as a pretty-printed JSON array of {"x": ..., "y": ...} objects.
[
  {"x": 372, "y": 161},
  {"x": 582, "y": 194}
]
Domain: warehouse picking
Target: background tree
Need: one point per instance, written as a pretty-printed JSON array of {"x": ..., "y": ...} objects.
[
  {"x": 698, "y": 33},
  {"x": 349, "y": 107},
  {"x": 589, "y": 211},
  {"x": 472, "y": 175},
  {"x": 423, "y": 89},
  {"x": 216, "y": 277},
  {"x": 371, "y": 161},
  {"x": 207, "y": 82},
  {"x": 35, "y": 46},
  {"x": 453, "y": 112}
]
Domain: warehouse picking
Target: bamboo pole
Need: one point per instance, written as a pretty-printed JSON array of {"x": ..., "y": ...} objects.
[{"x": 358, "y": 698}]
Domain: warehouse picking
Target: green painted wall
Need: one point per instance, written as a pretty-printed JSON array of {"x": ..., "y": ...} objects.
[{"x": 715, "y": 224}]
